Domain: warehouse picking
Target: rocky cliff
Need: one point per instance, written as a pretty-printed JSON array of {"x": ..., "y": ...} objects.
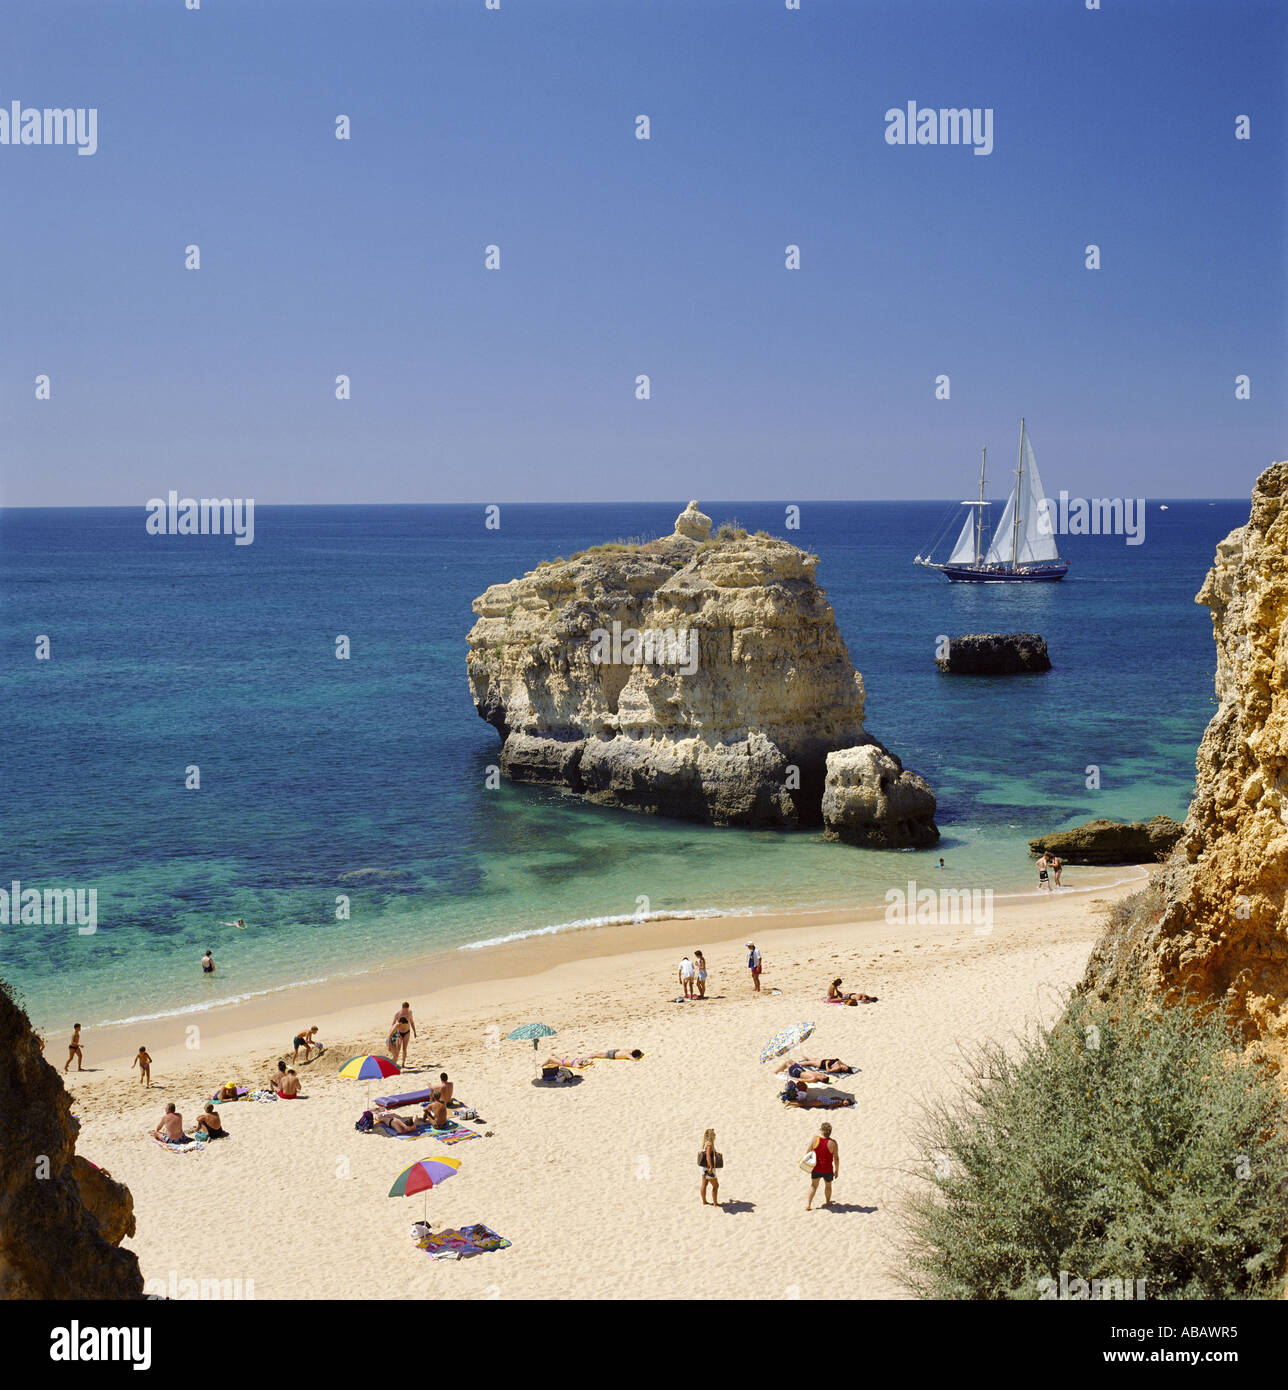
[
  {"x": 60, "y": 1217},
  {"x": 1217, "y": 928},
  {"x": 699, "y": 676}
]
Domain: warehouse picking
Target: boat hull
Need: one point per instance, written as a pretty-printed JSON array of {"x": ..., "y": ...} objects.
[{"x": 998, "y": 574}]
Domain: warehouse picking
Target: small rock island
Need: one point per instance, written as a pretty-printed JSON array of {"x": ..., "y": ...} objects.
[
  {"x": 701, "y": 676},
  {"x": 995, "y": 654}
]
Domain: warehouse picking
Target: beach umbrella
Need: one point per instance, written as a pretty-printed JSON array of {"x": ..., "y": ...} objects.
[
  {"x": 422, "y": 1175},
  {"x": 785, "y": 1039},
  {"x": 369, "y": 1068},
  {"x": 533, "y": 1031}
]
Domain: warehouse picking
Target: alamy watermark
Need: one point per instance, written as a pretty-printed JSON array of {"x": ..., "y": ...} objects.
[
  {"x": 940, "y": 907},
  {"x": 1068, "y": 1288},
  {"x": 1093, "y": 516},
  {"x": 49, "y": 907},
  {"x": 202, "y": 516},
  {"x": 50, "y": 125},
  {"x": 650, "y": 646},
  {"x": 947, "y": 125}
]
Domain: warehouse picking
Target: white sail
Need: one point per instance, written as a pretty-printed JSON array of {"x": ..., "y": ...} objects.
[
  {"x": 999, "y": 552},
  {"x": 964, "y": 550},
  {"x": 1037, "y": 538},
  {"x": 1032, "y": 541}
]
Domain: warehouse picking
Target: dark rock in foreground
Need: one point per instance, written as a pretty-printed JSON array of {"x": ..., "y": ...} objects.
[
  {"x": 1112, "y": 841},
  {"x": 60, "y": 1217},
  {"x": 995, "y": 654}
]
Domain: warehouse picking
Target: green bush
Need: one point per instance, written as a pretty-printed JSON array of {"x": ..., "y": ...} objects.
[{"x": 1133, "y": 1144}]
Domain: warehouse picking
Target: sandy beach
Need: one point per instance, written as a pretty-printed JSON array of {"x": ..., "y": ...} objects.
[{"x": 596, "y": 1183}]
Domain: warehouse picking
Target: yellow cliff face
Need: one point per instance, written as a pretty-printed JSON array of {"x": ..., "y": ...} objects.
[
  {"x": 1221, "y": 928},
  {"x": 700, "y": 676}
]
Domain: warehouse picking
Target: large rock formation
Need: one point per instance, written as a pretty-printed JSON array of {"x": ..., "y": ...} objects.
[
  {"x": 1112, "y": 841},
  {"x": 1218, "y": 930},
  {"x": 60, "y": 1217},
  {"x": 695, "y": 676},
  {"x": 995, "y": 654}
]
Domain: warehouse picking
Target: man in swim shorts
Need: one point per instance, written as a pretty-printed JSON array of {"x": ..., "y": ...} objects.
[{"x": 170, "y": 1127}]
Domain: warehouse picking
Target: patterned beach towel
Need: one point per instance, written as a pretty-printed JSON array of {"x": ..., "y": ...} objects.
[
  {"x": 454, "y": 1136},
  {"x": 263, "y": 1096},
  {"x": 458, "y": 1245},
  {"x": 194, "y": 1148}
]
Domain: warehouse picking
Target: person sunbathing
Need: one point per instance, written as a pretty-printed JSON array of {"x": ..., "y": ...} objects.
[
  {"x": 442, "y": 1089},
  {"x": 835, "y": 996},
  {"x": 226, "y": 1092},
  {"x": 397, "y": 1123},
  {"x": 170, "y": 1127},
  {"x": 798, "y": 1071},
  {"x": 798, "y": 1097},
  {"x": 832, "y": 1065},
  {"x": 436, "y": 1114},
  {"x": 289, "y": 1088},
  {"x": 620, "y": 1054},
  {"x": 211, "y": 1124}
]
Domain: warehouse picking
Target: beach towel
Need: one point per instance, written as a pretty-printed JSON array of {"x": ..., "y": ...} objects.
[
  {"x": 195, "y": 1147},
  {"x": 460, "y": 1244},
  {"x": 456, "y": 1135}
]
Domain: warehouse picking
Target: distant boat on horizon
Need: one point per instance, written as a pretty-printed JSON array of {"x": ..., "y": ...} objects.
[{"x": 1022, "y": 547}]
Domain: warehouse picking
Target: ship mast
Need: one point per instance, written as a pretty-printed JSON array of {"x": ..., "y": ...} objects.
[
  {"x": 979, "y": 515},
  {"x": 1019, "y": 499}
]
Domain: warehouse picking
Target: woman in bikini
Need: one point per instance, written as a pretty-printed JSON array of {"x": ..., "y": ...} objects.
[
  {"x": 832, "y": 1065},
  {"x": 403, "y": 1030},
  {"x": 710, "y": 1174},
  {"x": 74, "y": 1049},
  {"x": 797, "y": 1096},
  {"x": 211, "y": 1124}
]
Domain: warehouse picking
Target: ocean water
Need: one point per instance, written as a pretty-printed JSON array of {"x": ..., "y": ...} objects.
[{"x": 322, "y": 777}]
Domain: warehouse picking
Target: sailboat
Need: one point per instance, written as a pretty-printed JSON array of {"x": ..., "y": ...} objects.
[{"x": 1022, "y": 546}]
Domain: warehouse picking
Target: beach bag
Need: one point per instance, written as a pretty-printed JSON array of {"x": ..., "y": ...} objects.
[
  {"x": 717, "y": 1163},
  {"x": 364, "y": 1122},
  {"x": 807, "y": 1163}
]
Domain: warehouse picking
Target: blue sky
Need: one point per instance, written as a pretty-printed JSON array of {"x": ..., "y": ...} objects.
[{"x": 619, "y": 256}]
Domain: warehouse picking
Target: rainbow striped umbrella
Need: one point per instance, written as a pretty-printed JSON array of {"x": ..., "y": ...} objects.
[
  {"x": 369, "y": 1068},
  {"x": 424, "y": 1174}
]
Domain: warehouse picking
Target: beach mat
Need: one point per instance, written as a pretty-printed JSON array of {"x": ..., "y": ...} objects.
[
  {"x": 414, "y": 1098},
  {"x": 460, "y": 1244},
  {"x": 194, "y": 1148}
]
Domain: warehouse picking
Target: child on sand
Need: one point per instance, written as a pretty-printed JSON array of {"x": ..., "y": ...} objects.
[{"x": 144, "y": 1064}]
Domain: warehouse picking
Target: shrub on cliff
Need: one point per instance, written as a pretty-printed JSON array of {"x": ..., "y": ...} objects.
[{"x": 1130, "y": 1145}]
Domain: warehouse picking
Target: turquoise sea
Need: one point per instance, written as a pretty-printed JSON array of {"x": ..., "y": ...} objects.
[{"x": 366, "y": 777}]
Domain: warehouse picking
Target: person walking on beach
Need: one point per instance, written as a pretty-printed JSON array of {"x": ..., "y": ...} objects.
[
  {"x": 207, "y": 964},
  {"x": 74, "y": 1049},
  {"x": 827, "y": 1164},
  {"x": 1043, "y": 885},
  {"x": 1056, "y": 865},
  {"x": 403, "y": 1030},
  {"x": 686, "y": 977},
  {"x": 754, "y": 964},
  {"x": 700, "y": 965},
  {"x": 144, "y": 1064},
  {"x": 709, "y": 1161}
]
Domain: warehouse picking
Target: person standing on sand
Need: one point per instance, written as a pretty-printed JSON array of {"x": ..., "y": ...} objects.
[
  {"x": 754, "y": 964},
  {"x": 207, "y": 964},
  {"x": 686, "y": 977},
  {"x": 827, "y": 1165},
  {"x": 1056, "y": 865},
  {"x": 700, "y": 965},
  {"x": 707, "y": 1159},
  {"x": 403, "y": 1030},
  {"x": 144, "y": 1064},
  {"x": 74, "y": 1049},
  {"x": 1043, "y": 885}
]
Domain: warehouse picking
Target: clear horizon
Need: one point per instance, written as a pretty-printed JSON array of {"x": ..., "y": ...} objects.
[{"x": 622, "y": 257}]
